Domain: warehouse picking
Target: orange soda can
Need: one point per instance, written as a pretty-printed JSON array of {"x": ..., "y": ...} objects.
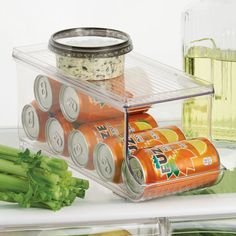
[
  {"x": 79, "y": 107},
  {"x": 34, "y": 121},
  {"x": 154, "y": 137},
  {"x": 109, "y": 154},
  {"x": 57, "y": 131},
  {"x": 171, "y": 168},
  {"x": 81, "y": 142},
  {"x": 46, "y": 92}
]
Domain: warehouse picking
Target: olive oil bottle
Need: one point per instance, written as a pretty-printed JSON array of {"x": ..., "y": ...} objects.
[{"x": 219, "y": 68}]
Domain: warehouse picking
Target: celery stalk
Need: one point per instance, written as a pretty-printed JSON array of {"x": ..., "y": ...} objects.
[
  {"x": 33, "y": 180},
  {"x": 12, "y": 183},
  {"x": 8, "y": 150},
  {"x": 12, "y": 168}
]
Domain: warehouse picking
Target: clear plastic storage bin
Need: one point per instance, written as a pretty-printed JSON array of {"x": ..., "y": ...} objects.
[
  {"x": 101, "y": 126},
  {"x": 151, "y": 227},
  {"x": 204, "y": 226}
]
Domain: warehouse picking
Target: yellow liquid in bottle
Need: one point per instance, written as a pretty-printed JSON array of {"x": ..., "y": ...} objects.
[{"x": 218, "y": 67}]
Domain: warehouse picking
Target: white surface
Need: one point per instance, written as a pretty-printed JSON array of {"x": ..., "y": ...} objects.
[
  {"x": 102, "y": 205},
  {"x": 154, "y": 25}
]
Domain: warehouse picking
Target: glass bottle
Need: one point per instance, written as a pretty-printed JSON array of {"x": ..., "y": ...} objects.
[{"x": 209, "y": 47}]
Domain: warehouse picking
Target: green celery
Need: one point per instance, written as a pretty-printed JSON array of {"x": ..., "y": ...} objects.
[
  {"x": 10, "y": 196},
  {"x": 33, "y": 180},
  {"x": 12, "y": 168},
  {"x": 80, "y": 193},
  {"x": 44, "y": 177},
  {"x": 8, "y": 151},
  {"x": 12, "y": 183},
  {"x": 81, "y": 183},
  {"x": 53, "y": 163}
]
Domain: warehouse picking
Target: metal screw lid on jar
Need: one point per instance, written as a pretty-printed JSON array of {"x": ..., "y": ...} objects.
[
  {"x": 43, "y": 92},
  {"x": 30, "y": 122},
  {"x": 78, "y": 148},
  {"x": 90, "y": 43},
  {"x": 55, "y": 136},
  {"x": 103, "y": 161},
  {"x": 134, "y": 183},
  {"x": 69, "y": 103}
]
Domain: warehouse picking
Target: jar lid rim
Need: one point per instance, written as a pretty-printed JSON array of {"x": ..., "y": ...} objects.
[{"x": 116, "y": 49}]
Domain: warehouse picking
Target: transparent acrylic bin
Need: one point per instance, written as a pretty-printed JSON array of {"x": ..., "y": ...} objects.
[
  {"x": 204, "y": 226},
  {"x": 91, "y": 123},
  {"x": 151, "y": 227}
]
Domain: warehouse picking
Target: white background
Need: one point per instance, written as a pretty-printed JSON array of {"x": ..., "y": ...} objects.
[{"x": 154, "y": 26}]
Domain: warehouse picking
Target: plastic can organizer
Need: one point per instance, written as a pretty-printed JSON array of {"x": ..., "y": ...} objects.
[{"x": 115, "y": 121}]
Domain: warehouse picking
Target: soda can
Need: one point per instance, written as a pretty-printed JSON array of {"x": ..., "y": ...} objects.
[
  {"x": 171, "y": 168},
  {"x": 57, "y": 131},
  {"x": 154, "y": 137},
  {"x": 81, "y": 142},
  {"x": 140, "y": 122},
  {"x": 79, "y": 107},
  {"x": 46, "y": 92},
  {"x": 109, "y": 154},
  {"x": 34, "y": 121}
]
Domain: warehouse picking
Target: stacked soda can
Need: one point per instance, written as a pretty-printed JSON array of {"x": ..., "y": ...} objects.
[
  {"x": 144, "y": 158},
  {"x": 159, "y": 162},
  {"x": 35, "y": 115},
  {"x": 171, "y": 168},
  {"x": 59, "y": 109}
]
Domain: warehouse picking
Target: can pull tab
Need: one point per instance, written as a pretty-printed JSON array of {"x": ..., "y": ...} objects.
[
  {"x": 57, "y": 138},
  {"x": 139, "y": 175},
  {"x": 43, "y": 89},
  {"x": 30, "y": 119},
  {"x": 106, "y": 165},
  {"x": 72, "y": 104},
  {"x": 77, "y": 149}
]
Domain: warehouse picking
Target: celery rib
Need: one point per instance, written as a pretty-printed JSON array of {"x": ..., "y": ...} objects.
[
  {"x": 12, "y": 183},
  {"x": 12, "y": 168},
  {"x": 33, "y": 180}
]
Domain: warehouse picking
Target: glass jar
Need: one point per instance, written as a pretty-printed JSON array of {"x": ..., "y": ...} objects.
[{"x": 209, "y": 47}]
